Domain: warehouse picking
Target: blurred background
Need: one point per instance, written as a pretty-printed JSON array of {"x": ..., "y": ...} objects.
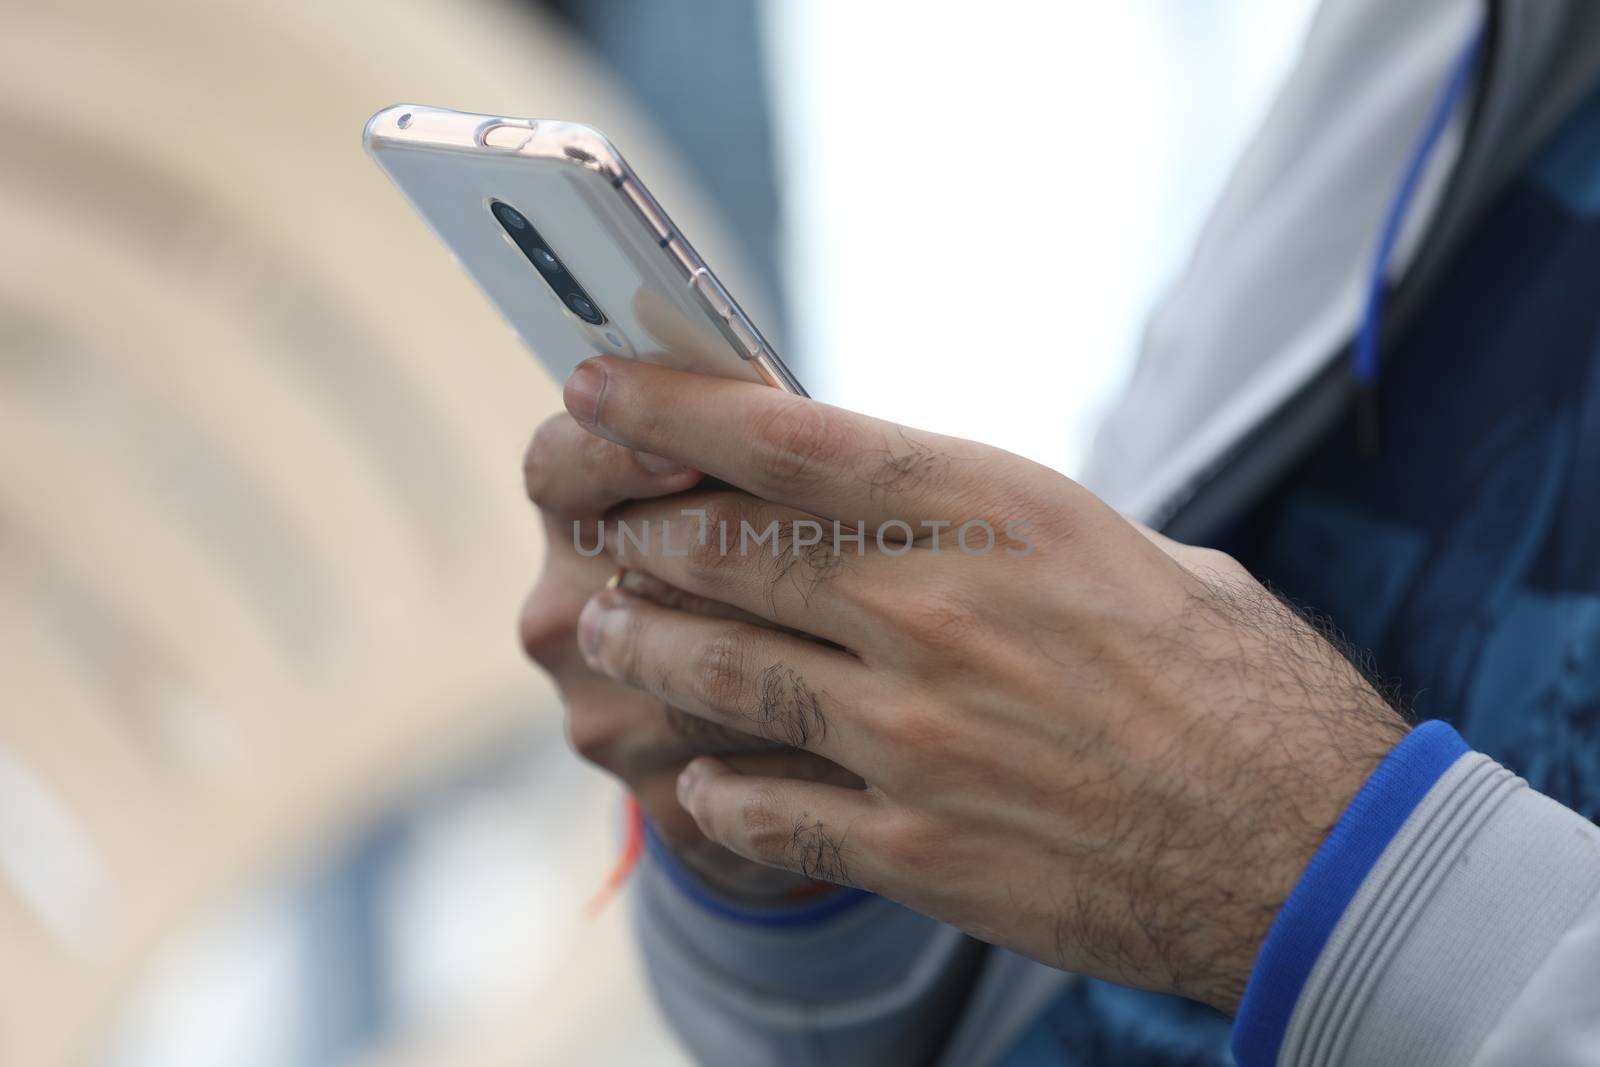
[{"x": 276, "y": 787}]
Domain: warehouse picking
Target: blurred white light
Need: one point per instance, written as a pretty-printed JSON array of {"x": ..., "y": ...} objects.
[
  {"x": 47, "y": 859},
  {"x": 231, "y": 990},
  {"x": 983, "y": 200}
]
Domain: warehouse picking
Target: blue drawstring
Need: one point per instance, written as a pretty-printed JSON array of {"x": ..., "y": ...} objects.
[{"x": 1364, "y": 355}]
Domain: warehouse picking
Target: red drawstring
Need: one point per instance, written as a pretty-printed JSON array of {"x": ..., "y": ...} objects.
[{"x": 632, "y": 849}]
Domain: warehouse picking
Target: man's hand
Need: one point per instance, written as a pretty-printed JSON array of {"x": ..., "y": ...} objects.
[
  {"x": 574, "y": 477},
  {"x": 1081, "y": 741}
]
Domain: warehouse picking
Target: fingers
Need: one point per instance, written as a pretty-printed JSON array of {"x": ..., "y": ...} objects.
[
  {"x": 570, "y": 473},
  {"x": 771, "y": 562},
  {"x": 643, "y": 584},
  {"x": 819, "y": 831},
  {"x": 820, "y": 459},
  {"x": 749, "y": 678},
  {"x": 547, "y": 625}
]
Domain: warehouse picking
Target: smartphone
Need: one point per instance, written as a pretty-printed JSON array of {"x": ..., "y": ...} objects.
[{"x": 558, "y": 230}]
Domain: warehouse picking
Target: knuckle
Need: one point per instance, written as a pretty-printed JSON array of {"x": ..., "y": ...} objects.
[
  {"x": 703, "y": 534},
  {"x": 705, "y": 559},
  {"x": 802, "y": 443},
  {"x": 762, "y": 829},
  {"x": 539, "y": 460},
  {"x": 907, "y": 843},
  {"x": 921, "y": 736},
  {"x": 936, "y": 618},
  {"x": 721, "y": 670},
  {"x": 545, "y": 631},
  {"x": 1214, "y": 564},
  {"x": 723, "y": 509},
  {"x": 592, "y": 737},
  {"x": 713, "y": 545},
  {"x": 899, "y": 727}
]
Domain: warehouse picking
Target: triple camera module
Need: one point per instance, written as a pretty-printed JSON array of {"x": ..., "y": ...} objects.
[{"x": 550, "y": 267}]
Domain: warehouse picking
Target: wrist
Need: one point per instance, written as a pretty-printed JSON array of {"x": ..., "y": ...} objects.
[{"x": 1323, "y": 893}]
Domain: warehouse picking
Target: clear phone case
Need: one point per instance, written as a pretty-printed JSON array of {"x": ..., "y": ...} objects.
[{"x": 654, "y": 297}]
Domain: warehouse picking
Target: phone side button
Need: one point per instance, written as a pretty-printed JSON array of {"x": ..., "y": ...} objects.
[
  {"x": 507, "y": 135},
  {"x": 712, "y": 293},
  {"x": 746, "y": 335}
]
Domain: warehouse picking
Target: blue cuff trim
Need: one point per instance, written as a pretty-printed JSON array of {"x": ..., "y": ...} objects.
[
  {"x": 1330, "y": 882},
  {"x": 783, "y": 916}
]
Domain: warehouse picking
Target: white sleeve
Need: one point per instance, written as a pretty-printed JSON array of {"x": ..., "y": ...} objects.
[
  {"x": 852, "y": 980},
  {"x": 1555, "y": 1020},
  {"x": 1451, "y": 917}
]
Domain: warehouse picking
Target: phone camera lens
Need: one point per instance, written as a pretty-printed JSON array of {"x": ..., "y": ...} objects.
[
  {"x": 511, "y": 216},
  {"x": 550, "y": 268},
  {"x": 584, "y": 308}
]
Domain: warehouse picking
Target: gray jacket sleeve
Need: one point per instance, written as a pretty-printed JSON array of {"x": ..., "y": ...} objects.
[
  {"x": 1452, "y": 917},
  {"x": 1555, "y": 1020},
  {"x": 869, "y": 983}
]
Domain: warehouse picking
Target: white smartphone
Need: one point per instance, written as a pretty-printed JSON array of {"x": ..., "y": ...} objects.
[{"x": 557, "y": 229}]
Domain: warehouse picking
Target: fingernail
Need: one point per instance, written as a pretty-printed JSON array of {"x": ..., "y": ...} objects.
[
  {"x": 582, "y": 394},
  {"x": 659, "y": 465},
  {"x": 590, "y": 622}
]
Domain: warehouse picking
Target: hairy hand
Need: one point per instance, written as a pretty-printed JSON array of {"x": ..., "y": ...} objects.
[
  {"x": 1077, "y": 739},
  {"x": 574, "y": 477}
]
